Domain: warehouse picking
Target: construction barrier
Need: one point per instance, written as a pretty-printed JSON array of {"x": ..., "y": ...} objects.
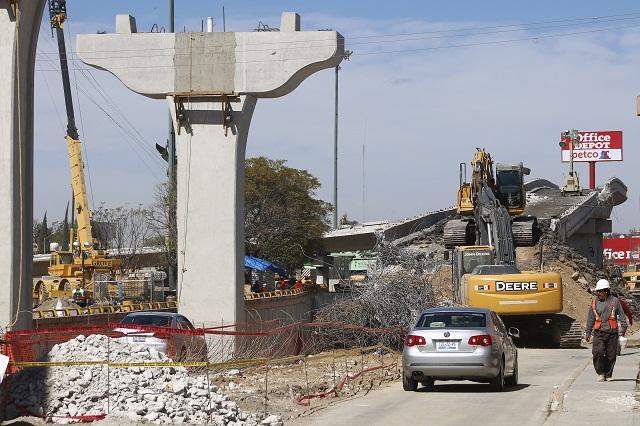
[{"x": 273, "y": 350}]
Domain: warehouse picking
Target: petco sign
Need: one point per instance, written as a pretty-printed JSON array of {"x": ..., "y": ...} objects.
[{"x": 594, "y": 146}]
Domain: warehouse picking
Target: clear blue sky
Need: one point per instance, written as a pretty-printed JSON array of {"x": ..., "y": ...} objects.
[{"x": 418, "y": 113}]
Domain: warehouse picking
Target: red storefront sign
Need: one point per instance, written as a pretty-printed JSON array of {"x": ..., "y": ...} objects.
[
  {"x": 622, "y": 251},
  {"x": 594, "y": 146}
]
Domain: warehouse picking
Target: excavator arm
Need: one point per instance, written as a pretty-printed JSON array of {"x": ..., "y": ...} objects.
[{"x": 493, "y": 226}]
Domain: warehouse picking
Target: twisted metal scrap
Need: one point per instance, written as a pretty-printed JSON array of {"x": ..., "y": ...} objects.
[{"x": 395, "y": 292}]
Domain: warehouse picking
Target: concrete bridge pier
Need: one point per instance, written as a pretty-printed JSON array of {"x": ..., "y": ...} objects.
[
  {"x": 210, "y": 192},
  {"x": 212, "y": 82},
  {"x": 19, "y": 27}
]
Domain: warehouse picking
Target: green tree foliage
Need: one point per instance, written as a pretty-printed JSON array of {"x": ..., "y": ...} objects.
[
  {"x": 57, "y": 232},
  {"x": 282, "y": 216}
]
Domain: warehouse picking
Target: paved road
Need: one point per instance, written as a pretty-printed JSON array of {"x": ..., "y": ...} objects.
[{"x": 546, "y": 380}]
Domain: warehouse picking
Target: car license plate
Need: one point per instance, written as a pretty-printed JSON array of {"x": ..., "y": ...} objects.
[
  {"x": 447, "y": 346},
  {"x": 138, "y": 339}
]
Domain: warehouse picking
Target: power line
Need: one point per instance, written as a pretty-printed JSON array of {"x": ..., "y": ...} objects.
[
  {"x": 445, "y": 33},
  {"x": 496, "y": 42},
  {"x": 449, "y": 46},
  {"x": 127, "y": 133},
  {"x": 382, "y": 52}
]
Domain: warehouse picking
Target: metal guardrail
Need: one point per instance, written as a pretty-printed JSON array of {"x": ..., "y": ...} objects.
[
  {"x": 272, "y": 294},
  {"x": 147, "y": 306},
  {"x": 103, "y": 309}
]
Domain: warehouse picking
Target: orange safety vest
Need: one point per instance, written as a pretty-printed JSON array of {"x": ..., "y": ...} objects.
[{"x": 613, "y": 320}]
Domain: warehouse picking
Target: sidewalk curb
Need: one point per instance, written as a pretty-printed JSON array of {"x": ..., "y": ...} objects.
[{"x": 557, "y": 398}]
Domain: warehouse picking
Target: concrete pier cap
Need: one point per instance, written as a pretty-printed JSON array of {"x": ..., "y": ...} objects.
[{"x": 212, "y": 81}]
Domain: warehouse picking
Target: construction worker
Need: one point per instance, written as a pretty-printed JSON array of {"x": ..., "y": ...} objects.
[{"x": 605, "y": 320}]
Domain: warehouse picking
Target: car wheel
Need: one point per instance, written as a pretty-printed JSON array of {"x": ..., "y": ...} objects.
[
  {"x": 513, "y": 379},
  {"x": 498, "y": 381},
  {"x": 409, "y": 384}
]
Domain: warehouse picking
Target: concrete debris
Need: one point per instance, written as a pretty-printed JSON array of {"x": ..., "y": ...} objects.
[
  {"x": 157, "y": 395},
  {"x": 585, "y": 273},
  {"x": 533, "y": 198}
]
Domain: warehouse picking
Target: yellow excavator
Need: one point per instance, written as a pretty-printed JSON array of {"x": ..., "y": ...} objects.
[
  {"x": 484, "y": 242},
  {"x": 72, "y": 271}
]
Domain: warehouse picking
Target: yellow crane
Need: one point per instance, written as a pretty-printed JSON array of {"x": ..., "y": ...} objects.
[{"x": 72, "y": 270}]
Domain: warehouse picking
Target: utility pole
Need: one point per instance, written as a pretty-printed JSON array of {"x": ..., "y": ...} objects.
[
  {"x": 364, "y": 186},
  {"x": 335, "y": 156},
  {"x": 171, "y": 148}
]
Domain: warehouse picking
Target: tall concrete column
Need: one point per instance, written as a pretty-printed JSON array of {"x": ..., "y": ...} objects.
[
  {"x": 210, "y": 179},
  {"x": 212, "y": 82},
  {"x": 19, "y": 27}
]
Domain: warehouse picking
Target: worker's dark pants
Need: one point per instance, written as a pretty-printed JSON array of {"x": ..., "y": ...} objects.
[{"x": 604, "y": 350}]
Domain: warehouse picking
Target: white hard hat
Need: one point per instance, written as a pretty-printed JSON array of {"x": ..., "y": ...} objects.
[{"x": 602, "y": 284}]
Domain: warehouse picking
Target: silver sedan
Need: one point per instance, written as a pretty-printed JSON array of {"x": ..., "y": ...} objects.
[{"x": 460, "y": 344}]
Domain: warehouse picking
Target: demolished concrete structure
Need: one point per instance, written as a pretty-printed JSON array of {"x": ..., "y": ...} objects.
[{"x": 579, "y": 220}]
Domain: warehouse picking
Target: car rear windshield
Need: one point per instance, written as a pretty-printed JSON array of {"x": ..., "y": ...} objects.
[
  {"x": 452, "y": 319},
  {"x": 153, "y": 320}
]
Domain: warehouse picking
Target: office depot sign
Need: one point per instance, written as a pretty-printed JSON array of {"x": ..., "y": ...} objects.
[
  {"x": 594, "y": 146},
  {"x": 622, "y": 251}
]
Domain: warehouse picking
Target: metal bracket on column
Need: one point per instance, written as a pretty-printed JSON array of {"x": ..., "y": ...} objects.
[
  {"x": 12, "y": 8},
  {"x": 226, "y": 113},
  {"x": 181, "y": 117},
  {"x": 224, "y": 98}
]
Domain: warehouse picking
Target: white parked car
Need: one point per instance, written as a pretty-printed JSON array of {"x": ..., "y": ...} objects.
[{"x": 177, "y": 346}]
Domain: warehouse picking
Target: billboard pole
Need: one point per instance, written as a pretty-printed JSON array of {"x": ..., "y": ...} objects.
[{"x": 592, "y": 175}]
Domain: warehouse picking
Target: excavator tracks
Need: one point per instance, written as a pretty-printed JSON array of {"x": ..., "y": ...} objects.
[
  {"x": 459, "y": 232},
  {"x": 546, "y": 330},
  {"x": 569, "y": 333},
  {"x": 526, "y": 232}
]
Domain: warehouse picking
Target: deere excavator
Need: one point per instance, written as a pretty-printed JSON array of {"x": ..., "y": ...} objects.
[
  {"x": 484, "y": 242},
  {"x": 72, "y": 271}
]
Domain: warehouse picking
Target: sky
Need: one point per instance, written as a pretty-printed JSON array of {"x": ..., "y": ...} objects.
[{"x": 427, "y": 83}]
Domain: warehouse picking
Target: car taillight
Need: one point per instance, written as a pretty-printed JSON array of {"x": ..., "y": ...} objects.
[
  {"x": 482, "y": 340},
  {"x": 412, "y": 340}
]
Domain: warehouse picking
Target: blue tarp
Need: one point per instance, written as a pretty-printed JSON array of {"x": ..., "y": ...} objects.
[{"x": 263, "y": 265}]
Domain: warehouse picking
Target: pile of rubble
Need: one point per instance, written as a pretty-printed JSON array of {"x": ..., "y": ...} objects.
[
  {"x": 151, "y": 394},
  {"x": 585, "y": 273}
]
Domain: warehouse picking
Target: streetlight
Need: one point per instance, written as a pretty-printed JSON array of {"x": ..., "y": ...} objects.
[{"x": 572, "y": 182}]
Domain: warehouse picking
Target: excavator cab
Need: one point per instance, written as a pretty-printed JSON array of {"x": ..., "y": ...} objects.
[
  {"x": 465, "y": 260},
  {"x": 510, "y": 186}
]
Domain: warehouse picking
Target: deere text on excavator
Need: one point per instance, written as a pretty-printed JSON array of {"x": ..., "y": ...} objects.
[
  {"x": 72, "y": 271},
  {"x": 484, "y": 242}
]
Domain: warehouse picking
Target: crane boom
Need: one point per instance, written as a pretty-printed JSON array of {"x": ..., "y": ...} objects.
[{"x": 58, "y": 15}]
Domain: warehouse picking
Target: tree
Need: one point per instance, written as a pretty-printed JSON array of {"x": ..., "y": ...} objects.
[
  {"x": 125, "y": 230},
  {"x": 44, "y": 234},
  {"x": 164, "y": 225},
  {"x": 283, "y": 220}
]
